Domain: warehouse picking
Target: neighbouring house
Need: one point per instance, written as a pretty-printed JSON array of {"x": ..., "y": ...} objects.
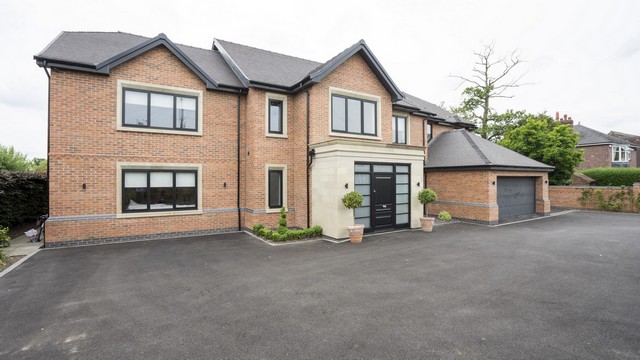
[
  {"x": 605, "y": 150},
  {"x": 634, "y": 140},
  {"x": 153, "y": 139}
]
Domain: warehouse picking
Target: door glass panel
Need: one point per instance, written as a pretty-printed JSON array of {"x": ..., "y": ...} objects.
[
  {"x": 363, "y": 179},
  {"x": 402, "y": 168},
  {"x": 364, "y": 221},
  {"x": 402, "y": 219},
  {"x": 401, "y": 209},
  {"x": 366, "y": 201},
  {"x": 362, "y": 168},
  {"x": 402, "y": 179},
  {"x": 402, "y": 189},
  {"x": 362, "y": 212},
  {"x": 402, "y": 199},
  {"x": 383, "y": 168},
  {"x": 363, "y": 189}
]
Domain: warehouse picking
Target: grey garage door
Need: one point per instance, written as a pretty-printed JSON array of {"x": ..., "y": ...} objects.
[{"x": 516, "y": 196}]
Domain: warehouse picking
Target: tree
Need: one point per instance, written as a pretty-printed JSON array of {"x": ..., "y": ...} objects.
[
  {"x": 12, "y": 160},
  {"x": 490, "y": 80},
  {"x": 541, "y": 139}
]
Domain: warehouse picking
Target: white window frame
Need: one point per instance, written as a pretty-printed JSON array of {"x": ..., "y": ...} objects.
[
  {"x": 279, "y": 97},
  {"x": 169, "y": 90},
  {"x": 623, "y": 150},
  {"x": 120, "y": 166},
  {"x": 361, "y": 96},
  {"x": 283, "y": 168}
]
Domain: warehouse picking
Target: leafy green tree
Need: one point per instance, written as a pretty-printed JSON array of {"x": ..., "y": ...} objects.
[
  {"x": 12, "y": 160},
  {"x": 541, "y": 139},
  {"x": 491, "y": 78},
  {"x": 39, "y": 164}
]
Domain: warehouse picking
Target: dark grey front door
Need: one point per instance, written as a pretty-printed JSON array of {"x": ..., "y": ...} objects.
[
  {"x": 516, "y": 196},
  {"x": 383, "y": 197}
]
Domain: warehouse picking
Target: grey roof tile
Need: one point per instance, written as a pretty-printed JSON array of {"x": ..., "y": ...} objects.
[
  {"x": 460, "y": 149},
  {"x": 268, "y": 67},
  {"x": 589, "y": 136},
  {"x": 92, "y": 48},
  {"x": 425, "y": 106},
  {"x": 633, "y": 139}
]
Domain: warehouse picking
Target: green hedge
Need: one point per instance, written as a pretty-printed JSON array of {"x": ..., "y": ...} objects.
[
  {"x": 23, "y": 197},
  {"x": 614, "y": 176},
  {"x": 284, "y": 234}
]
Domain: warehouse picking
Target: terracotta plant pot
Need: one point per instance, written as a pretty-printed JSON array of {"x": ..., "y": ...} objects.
[
  {"x": 427, "y": 223},
  {"x": 355, "y": 233}
]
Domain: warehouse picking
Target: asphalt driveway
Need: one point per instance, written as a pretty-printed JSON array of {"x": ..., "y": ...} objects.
[{"x": 566, "y": 287}]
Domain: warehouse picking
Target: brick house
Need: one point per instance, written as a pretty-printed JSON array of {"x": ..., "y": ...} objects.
[
  {"x": 152, "y": 139},
  {"x": 605, "y": 150}
]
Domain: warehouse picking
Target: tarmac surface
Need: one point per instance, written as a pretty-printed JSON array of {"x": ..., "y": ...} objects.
[{"x": 566, "y": 287}]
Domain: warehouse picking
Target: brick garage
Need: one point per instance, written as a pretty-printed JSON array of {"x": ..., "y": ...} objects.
[{"x": 466, "y": 171}]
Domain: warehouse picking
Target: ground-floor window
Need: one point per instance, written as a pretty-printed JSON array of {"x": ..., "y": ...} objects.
[
  {"x": 159, "y": 190},
  {"x": 386, "y": 192},
  {"x": 275, "y": 189}
]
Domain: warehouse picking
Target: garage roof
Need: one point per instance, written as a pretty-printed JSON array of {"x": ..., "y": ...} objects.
[{"x": 460, "y": 150}]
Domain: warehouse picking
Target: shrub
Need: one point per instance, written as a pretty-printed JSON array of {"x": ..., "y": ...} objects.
[
  {"x": 614, "y": 176},
  {"x": 23, "y": 197},
  {"x": 5, "y": 240},
  {"x": 444, "y": 216},
  {"x": 282, "y": 222},
  {"x": 352, "y": 200},
  {"x": 426, "y": 196},
  {"x": 284, "y": 234},
  {"x": 2, "y": 257}
]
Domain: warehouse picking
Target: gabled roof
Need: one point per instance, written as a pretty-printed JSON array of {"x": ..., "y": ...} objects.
[
  {"x": 590, "y": 136},
  {"x": 460, "y": 150},
  {"x": 633, "y": 139},
  {"x": 431, "y": 111},
  {"x": 264, "y": 67},
  {"x": 98, "y": 52},
  {"x": 259, "y": 67}
]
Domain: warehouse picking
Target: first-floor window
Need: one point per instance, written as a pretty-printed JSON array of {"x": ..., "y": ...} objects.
[
  {"x": 275, "y": 189},
  {"x": 275, "y": 116},
  {"x": 621, "y": 153},
  {"x": 159, "y": 110},
  {"x": 354, "y": 116},
  {"x": 399, "y": 129},
  {"x": 429, "y": 130},
  {"x": 159, "y": 190}
]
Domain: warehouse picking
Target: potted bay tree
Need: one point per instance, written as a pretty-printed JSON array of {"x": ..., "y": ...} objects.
[
  {"x": 426, "y": 196},
  {"x": 352, "y": 201}
]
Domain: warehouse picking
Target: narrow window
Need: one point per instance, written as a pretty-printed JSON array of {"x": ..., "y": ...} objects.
[
  {"x": 275, "y": 116},
  {"x": 275, "y": 189},
  {"x": 399, "y": 127},
  {"x": 429, "y": 130}
]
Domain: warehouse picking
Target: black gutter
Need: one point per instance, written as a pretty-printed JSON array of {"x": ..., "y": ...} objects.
[
  {"x": 309, "y": 160},
  {"x": 238, "y": 168},
  {"x": 44, "y": 241}
]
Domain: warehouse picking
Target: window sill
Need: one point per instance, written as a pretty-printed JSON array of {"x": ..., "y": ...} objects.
[
  {"x": 279, "y": 136},
  {"x": 273, "y": 211},
  {"x": 159, "y": 131},
  {"x": 355, "y": 136},
  {"x": 156, "y": 214}
]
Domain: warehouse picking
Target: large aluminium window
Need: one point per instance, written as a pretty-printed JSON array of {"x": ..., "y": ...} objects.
[
  {"x": 399, "y": 129},
  {"x": 621, "y": 153},
  {"x": 155, "y": 110},
  {"x": 159, "y": 190},
  {"x": 353, "y": 116}
]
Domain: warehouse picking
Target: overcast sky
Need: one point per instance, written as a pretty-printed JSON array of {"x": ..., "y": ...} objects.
[{"x": 583, "y": 58}]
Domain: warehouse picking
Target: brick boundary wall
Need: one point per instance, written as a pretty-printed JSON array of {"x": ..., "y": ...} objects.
[{"x": 568, "y": 196}]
